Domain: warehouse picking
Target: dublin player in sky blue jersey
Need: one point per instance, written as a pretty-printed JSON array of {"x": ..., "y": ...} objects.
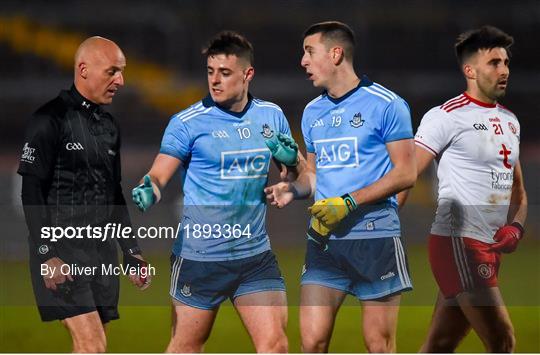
[
  {"x": 223, "y": 249},
  {"x": 360, "y": 153}
]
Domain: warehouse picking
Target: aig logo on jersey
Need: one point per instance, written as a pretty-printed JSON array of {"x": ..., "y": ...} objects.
[
  {"x": 245, "y": 164},
  {"x": 74, "y": 146},
  {"x": 337, "y": 153}
]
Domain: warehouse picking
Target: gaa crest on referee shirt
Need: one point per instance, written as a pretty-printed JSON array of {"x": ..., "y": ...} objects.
[
  {"x": 267, "y": 132},
  {"x": 357, "y": 120}
]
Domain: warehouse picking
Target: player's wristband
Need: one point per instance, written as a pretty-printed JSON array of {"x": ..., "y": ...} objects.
[
  {"x": 520, "y": 227},
  {"x": 349, "y": 202}
]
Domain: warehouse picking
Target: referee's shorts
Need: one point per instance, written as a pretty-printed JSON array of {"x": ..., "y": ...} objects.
[{"x": 87, "y": 293}]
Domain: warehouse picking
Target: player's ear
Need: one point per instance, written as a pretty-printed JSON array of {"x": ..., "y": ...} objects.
[
  {"x": 249, "y": 73},
  {"x": 338, "y": 55},
  {"x": 469, "y": 71}
]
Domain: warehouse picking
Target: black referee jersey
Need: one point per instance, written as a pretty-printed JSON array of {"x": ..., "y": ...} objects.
[{"x": 71, "y": 171}]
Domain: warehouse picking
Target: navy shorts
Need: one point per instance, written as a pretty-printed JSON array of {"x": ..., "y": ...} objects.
[
  {"x": 366, "y": 268},
  {"x": 205, "y": 285}
]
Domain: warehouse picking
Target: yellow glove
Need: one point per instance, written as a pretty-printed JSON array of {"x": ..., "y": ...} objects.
[
  {"x": 331, "y": 211},
  {"x": 318, "y": 232}
]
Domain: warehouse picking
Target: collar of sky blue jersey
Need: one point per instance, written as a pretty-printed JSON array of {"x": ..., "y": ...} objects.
[
  {"x": 82, "y": 102},
  {"x": 364, "y": 81},
  {"x": 207, "y": 102}
]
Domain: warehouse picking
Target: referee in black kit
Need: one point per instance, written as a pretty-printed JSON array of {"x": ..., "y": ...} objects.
[{"x": 70, "y": 166}]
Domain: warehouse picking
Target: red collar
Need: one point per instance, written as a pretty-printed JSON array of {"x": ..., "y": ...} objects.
[{"x": 478, "y": 102}]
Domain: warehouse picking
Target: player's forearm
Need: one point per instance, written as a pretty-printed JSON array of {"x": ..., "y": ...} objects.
[
  {"x": 518, "y": 207},
  {"x": 304, "y": 186},
  {"x": 397, "y": 180}
]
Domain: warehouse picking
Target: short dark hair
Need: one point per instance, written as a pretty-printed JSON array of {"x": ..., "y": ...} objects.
[
  {"x": 486, "y": 37},
  {"x": 230, "y": 43},
  {"x": 335, "y": 31}
]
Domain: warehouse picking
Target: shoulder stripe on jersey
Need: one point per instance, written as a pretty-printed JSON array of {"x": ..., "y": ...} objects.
[
  {"x": 459, "y": 97},
  {"x": 385, "y": 98},
  {"x": 453, "y": 102},
  {"x": 426, "y": 147},
  {"x": 182, "y": 115},
  {"x": 457, "y": 105},
  {"x": 189, "y": 110},
  {"x": 382, "y": 88},
  {"x": 263, "y": 102},
  {"x": 196, "y": 113},
  {"x": 382, "y": 92},
  {"x": 269, "y": 104},
  {"x": 313, "y": 101}
]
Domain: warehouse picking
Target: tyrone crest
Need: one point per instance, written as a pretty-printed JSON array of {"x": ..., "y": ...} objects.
[
  {"x": 512, "y": 127},
  {"x": 357, "y": 120},
  {"x": 485, "y": 271},
  {"x": 267, "y": 132}
]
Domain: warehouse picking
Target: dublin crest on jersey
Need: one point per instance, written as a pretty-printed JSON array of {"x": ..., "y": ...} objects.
[
  {"x": 357, "y": 120},
  {"x": 267, "y": 132}
]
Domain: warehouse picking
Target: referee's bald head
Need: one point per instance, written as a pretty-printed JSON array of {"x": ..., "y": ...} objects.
[{"x": 98, "y": 69}]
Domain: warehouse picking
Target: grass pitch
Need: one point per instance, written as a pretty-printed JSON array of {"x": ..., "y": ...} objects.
[{"x": 145, "y": 316}]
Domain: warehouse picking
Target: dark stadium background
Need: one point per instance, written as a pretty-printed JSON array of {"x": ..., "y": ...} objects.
[{"x": 404, "y": 45}]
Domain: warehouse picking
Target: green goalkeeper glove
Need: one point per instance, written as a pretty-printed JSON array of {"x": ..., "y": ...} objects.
[
  {"x": 146, "y": 194},
  {"x": 331, "y": 211},
  {"x": 283, "y": 148}
]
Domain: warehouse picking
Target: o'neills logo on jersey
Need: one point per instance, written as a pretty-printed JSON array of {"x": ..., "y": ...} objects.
[
  {"x": 28, "y": 154},
  {"x": 245, "y": 164},
  {"x": 337, "y": 153}
]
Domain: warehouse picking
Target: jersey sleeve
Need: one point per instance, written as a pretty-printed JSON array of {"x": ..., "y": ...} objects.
[
  {"x": 306, "y": 131},
  {"x": 176, "y": 140},
  {"x": 434, "y": 132},
  {"x": 396, "y": 122},
  {"x": 40, "y": 147},
  {"x": 284, "y": 124}
]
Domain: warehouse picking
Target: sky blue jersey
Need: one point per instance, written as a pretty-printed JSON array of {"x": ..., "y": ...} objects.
[
  {"x": 226, "y": 166},
  {"x": 349, "y": 136}
]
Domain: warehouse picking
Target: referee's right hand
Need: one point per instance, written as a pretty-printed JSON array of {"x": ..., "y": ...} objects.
[{"x": 54, "y": 274}]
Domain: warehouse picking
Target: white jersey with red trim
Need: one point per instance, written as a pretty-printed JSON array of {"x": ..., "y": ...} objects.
[{"x": 476, "y": 146}]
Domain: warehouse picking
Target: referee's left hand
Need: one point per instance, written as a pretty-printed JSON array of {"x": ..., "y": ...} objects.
[{"x": 144, "y": 279}]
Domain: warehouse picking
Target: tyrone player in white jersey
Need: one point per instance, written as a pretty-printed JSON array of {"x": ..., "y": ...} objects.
[{"x": 482, "y": 204}]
